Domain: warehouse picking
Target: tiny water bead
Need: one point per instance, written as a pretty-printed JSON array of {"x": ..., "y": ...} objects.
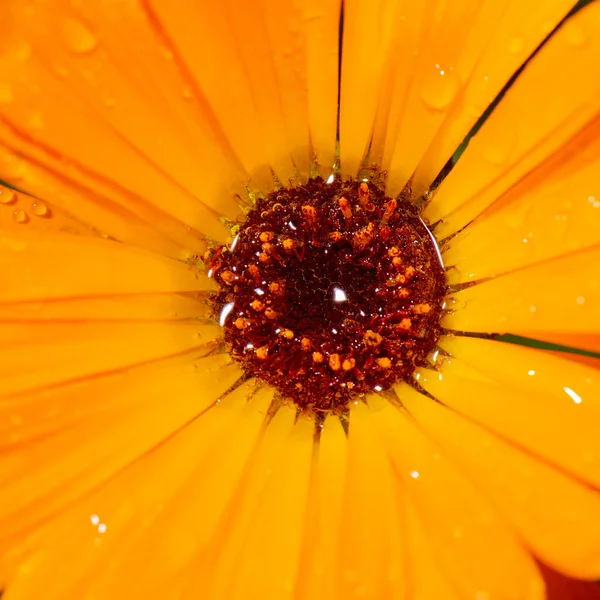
[{"x": 329, "y": 291}]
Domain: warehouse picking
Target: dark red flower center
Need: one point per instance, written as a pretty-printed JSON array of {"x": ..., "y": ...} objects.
[{"x": 330, "y": 291}]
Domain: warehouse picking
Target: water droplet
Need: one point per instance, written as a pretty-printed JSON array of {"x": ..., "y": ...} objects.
[
  {"x": 77, "y": 37},
  {"x": 40, "y": 209},
  {"x": 21, "y": 217},
  {"x": 7, "y": 196},
  {"x": 573, "y": 33},
  {"x": 515, "y": 45},
  {"x": 6, "y": 93},
  {"x": 439, "y": 87}
]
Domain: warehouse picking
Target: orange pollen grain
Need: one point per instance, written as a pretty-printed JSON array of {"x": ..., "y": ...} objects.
[
  {"x": 228, "y": 277},
  {"x": 421, "y": 309},
  {"x": 305, "y": 343},
  {"x": 334, "y": 362},
  {"x": 318, "y": 357},
  {"x": 266, "y": 236},
  {"x": 262, "y": 352},
  {"x": 349, "y": 363},
  {"x": 257, "y": 305},
  {"x": 384, "y": 362},
  {"x": 405, "y": 324},
  {"x": 371, "y": 338}
]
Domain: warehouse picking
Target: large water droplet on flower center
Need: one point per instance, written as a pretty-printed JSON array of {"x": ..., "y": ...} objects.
[{"x": 329, "y": 291}]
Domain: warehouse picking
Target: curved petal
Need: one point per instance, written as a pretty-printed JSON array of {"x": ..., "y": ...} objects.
[
  {"x": 124, "y": 414},
  {"x": 104, "y": 70},
  {"x": 533, "y": 120},
  {"x": 533, "y": 421},
  {"x": 561, "y": 295},
  {"x": 555, "y": 516},
  {"x": 462, "y": 527},
  {"x": 100, "y": 544},
  {"x": 285, "y": 73},
  {"x": 317, "y": 579},
  {"x": 371, "y": 543},
  {"x": 525, "y": 369},
  {"x": 553, "y": 211},
  {"x": 407, "y": 67}
]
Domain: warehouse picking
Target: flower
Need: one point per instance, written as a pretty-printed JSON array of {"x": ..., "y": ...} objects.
[{"x": 138, "y": 461}]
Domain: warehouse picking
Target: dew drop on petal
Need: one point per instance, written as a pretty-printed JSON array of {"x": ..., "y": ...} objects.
[
  {"x": 77, "y": 37},
  {"x": 40, "y": 209},
  {"x": 7, "y": 196},
  {"x": 439, "y": 87},
  {"x": 21, "y": 217}
]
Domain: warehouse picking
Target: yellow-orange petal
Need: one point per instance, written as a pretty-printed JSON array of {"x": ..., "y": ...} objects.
[
  {"x": 504, "y": 36},
  {"x": 320, "y": 559},
  {"x": 532, "y": 421},
  {"x": 122, "y": 416},
  {"x": 106, "y": 71},
  {"x": 102, "y": 540},
  {"x": 427, "y": 580},
  {"x": 372, "y": 557},
  {"x": 269, "y": 563},
  {"x": 472, "y": 545},
  {"x": 561, "y": 295},
  {"x": 263, "y": 103},
  {"x": 555, "y": 516},
  {"x": 526, "y": 369},
  {"x": 535, "y": 118},
  {"x": 39, "y": 270},
  {"x": 82, "y": 205},
  {"x": 466, "y": 53},
  {"x": 554, "y": 210},
  {"x": 212, "y": 576}
]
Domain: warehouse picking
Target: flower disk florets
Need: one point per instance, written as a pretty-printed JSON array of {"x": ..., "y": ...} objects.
[{"x": 330, "y": 291}]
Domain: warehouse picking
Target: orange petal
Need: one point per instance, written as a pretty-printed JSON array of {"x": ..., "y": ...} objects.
[
  {"x": 561, "y": 295},
  {"x": 556, "y": 517},
  {"x": 533, "y": 121},
  {"x": 428, "y": 581},
  {"x": 124, "y": 414},
  {"x": 554, "y": 210},
  {"x": 466, "y": 53},
  {"x": 504, "y": 36},
  {"x": 371, "y": 551},
  {"x": 212, "y": 575},
  {"x": 39, "y": 270},
  {"x": 107, "y": 537},
  {"x": 269, "y": 563},
  {"x": 320, "y": 561},
  {"x": 526, "y": 369},
  {"x": 530, "y": 420},
  {"x": 473, "y": 546},
  {"x": 80, "y": 205},
  {"x": 104, "y": 70}
]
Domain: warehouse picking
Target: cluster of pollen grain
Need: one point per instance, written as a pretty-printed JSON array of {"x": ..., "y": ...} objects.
[{"x": 329, "y": 291}]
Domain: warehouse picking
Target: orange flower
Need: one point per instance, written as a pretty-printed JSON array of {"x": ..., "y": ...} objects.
[{"x": 137, "y": 459}]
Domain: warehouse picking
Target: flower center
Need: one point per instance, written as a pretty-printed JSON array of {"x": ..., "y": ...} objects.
[{"x": 330, "y": 291}]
